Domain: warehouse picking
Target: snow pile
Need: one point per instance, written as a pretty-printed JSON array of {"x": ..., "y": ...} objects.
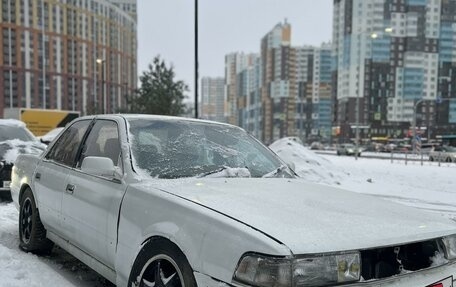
[
  {"x": 427, "y": 187},
  {"x": 308, "y": 164},
  {"x": 17, "y": 147}
]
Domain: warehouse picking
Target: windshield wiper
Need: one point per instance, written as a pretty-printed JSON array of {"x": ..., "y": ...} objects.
[
  {"x": 230, "y": 174},
  {"x": 217, "y": 170}
]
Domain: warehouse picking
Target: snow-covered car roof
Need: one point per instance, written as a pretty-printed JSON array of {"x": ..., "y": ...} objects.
[{"x": 12, "y": 122}]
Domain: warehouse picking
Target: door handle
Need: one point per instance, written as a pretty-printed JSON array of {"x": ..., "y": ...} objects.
[
  {"x": 38, "y": 176},
  {"x": 70, "y": 188}
]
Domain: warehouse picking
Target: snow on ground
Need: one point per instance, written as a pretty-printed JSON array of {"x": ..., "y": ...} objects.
[
  {"x": 18, "y": 269},
  {"x": 429, "y": 187}
]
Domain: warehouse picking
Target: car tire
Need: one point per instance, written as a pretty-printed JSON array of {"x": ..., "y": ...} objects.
[
  {"x": 431, "y": 158},
  {"x": 448, "y": 159},
  {"x": 161, "y": 263},
  {"x": 32, "y": 234},
  {"x": 338, "y": 153}
]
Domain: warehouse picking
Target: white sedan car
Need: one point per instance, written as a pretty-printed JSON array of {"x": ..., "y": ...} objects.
[{"x": 162, "y": 201}]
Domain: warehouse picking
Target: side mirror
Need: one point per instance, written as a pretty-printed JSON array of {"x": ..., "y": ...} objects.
[{"x": 101, "y": 166}]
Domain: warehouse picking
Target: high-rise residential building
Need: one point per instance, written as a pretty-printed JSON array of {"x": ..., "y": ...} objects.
[
  {"x": 234, "y": 64},
  {"x": 213, "y": 99},
  {"x": 249, "y": 96},
  {"x": 67, "y": 54},
  {"x": 129, "y": 6},
  {"x": 283, "y": 90},
  {"x": 390, "y": 58},
  {"x": 278, "y": 84},
  {"x": 313, "y": 108}
]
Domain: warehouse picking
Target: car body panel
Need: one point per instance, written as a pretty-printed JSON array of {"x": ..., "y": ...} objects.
[
  {"x": 197, "y": 230},
  {"x": 49, "y": 182},
  {"x": 22, "y": 174},
  {"x": 309, "y": 216},
  {"x": 90, "y": 212}
]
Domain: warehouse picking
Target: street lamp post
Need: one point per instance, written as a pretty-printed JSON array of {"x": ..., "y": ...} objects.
[
  {"x": 196, "y": 59},
  {"x": 102, "y": 62}
]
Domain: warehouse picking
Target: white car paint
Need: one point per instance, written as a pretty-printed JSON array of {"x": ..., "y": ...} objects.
[{"x": 214, "y": 221}]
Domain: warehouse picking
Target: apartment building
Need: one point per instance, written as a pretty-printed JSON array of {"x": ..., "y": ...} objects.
[{"x": 70, "y": 55}]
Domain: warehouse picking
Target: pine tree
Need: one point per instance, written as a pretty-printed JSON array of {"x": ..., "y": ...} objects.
[{"x": 160, "y": 93}]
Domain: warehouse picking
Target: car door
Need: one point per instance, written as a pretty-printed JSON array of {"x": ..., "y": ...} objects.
[
  {"x": 90, "y": 210},
  {"x": 52, "y": 172}
]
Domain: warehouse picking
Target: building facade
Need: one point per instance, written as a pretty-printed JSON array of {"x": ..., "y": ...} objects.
[
  {"x": 282, "y": 91},
  {"x": 212, "y": 99},
  {"x": 390, "y": 59},
  {"x": 69, "y": 55},
  {"x": 314, "y": 102},
  {"x": 278, "y": 84}
]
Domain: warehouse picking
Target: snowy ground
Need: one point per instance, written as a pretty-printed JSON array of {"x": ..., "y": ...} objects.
[
  {"x": 428, "y": 187},
  {"x": 18, "y": 268}
]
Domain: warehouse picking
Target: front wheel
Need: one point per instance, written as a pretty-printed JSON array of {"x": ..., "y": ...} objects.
[
  {"x": 161, "y": 263},
  {"x": 32, "y": 234}
]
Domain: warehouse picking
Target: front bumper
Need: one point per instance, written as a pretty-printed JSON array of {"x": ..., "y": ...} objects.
[{"x": 422, "y": 278}]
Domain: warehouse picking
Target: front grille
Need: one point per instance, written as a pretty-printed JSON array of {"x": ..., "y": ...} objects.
[
  {"x": 389, "y": 261},
  {"x": 5, "y": 172}
]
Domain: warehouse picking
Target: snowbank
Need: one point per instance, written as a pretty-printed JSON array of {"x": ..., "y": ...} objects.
[
  {"x": 428, "y": 187},
  {"x": 308, "y": 164}
]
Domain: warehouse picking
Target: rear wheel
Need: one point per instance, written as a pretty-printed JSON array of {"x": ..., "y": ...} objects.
[
  {"x": 431, "y": 158},
  {"x": 160, "y": 263},
  {"x": 32, "y": 234}
]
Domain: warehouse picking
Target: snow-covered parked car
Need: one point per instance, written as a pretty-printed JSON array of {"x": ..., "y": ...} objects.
[
  {"x": 163, "y": 201},
  {"x": 15, "y": 139}
]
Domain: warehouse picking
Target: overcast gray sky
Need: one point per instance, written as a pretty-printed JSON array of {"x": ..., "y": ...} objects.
[{"x": 166, "y": 27}]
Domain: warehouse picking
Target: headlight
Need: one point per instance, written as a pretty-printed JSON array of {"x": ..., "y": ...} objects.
[
  {"x": 265, "y": 271},
  {"x": 318, "y": 270},
  {"x": 450, "y": 247}
]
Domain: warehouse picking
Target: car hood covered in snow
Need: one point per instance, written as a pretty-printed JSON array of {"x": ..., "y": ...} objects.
[
  {"x": 11, "y": 149},
  {"x": 312, "y": 218}
]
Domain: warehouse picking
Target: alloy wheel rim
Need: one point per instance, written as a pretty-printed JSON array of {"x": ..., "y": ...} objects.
[
  {"x": 161, "y": 271},
  {"x": 26, "y": 220}
]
